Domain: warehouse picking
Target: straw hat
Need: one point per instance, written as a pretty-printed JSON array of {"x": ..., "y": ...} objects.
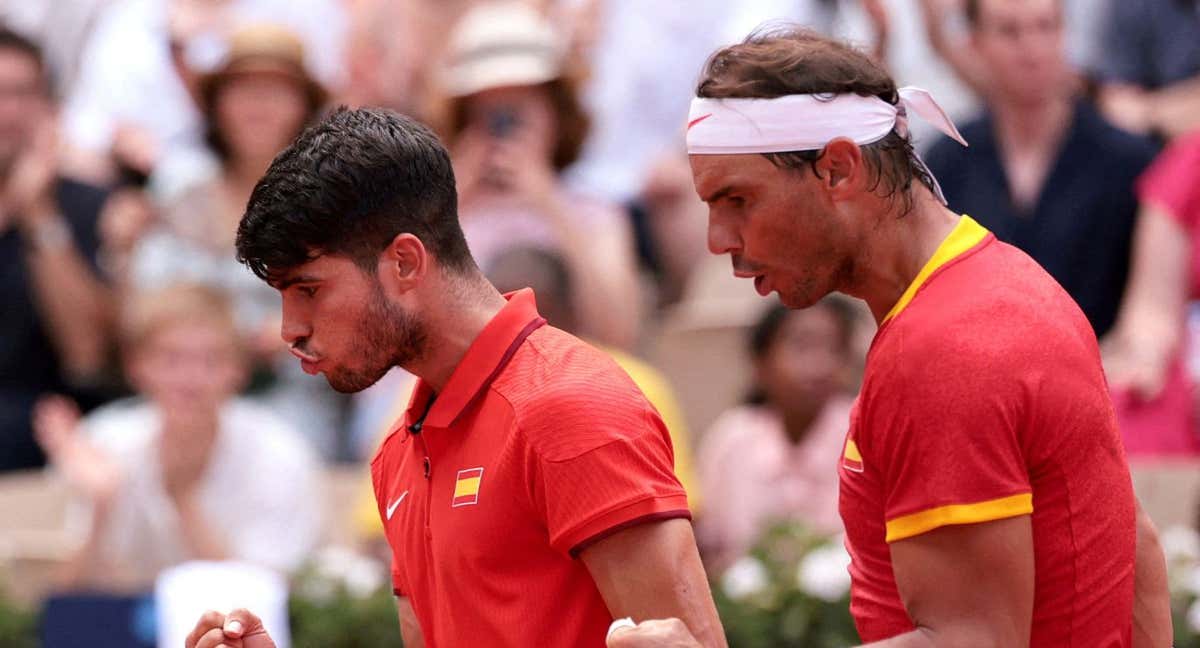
[
  {"x": 263, "y": 49},
  {"x": 502, "y": 44}
]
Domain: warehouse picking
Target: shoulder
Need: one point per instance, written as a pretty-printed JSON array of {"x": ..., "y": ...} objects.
[
  {"x": 569, "y": 398},
  {"x": 978, "y": 316},
  {"x": 1121, "y": 148},
  {"x": 976, "y": 131}
]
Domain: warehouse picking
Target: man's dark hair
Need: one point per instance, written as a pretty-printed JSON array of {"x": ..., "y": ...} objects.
[
  {"x": 790, "y": 60},
  {"x": 348, "y": 186},
  {"x": 15, "y": 41}
]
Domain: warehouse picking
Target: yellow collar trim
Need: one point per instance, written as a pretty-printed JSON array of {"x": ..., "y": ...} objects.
[{"x": 966, "y": 235}]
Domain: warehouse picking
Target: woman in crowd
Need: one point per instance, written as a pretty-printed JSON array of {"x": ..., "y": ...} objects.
[
  {"x": 514, "y": 123},
  {"x": 1146, "y": 355},
  {"x": 773, "y": 458}
]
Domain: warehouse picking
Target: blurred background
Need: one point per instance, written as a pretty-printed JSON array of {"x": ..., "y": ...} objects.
[{"x": 154, "y": 431}]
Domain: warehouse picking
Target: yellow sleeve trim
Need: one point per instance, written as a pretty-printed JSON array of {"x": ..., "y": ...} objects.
[
  {"x": 966, "y": 235},
  {"x": 914, "y": 524}
]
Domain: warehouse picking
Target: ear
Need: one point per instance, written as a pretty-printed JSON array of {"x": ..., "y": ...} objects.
[
  {"x": 403, "y": 263},
  {"x": 842, "y": 169}
]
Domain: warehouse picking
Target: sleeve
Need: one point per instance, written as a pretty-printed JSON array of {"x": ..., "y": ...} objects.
[
  {"x": 608, "y": 468},
  {"x": 1122, "y": 59},
  {"x": 945, "y": 439},
  {"x": 1171, "y": 181}
]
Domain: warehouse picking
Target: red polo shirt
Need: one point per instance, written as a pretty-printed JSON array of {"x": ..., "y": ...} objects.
[
  {"x": 984, "y": 399},
  {"x": 537, "y": 446}
]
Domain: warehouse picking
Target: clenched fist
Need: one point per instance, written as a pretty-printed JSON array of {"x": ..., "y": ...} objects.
[{"x": 238, "y": 629}]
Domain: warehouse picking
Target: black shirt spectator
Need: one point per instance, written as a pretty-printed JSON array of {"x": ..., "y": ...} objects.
[
  {"x": 29, "y": 363},
  {"x": 1081, "y": 224}
]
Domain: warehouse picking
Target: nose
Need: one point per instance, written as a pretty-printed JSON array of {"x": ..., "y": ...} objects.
[
  {"x": 293, "y": 328},
  {"x": 723, "y": 238}
]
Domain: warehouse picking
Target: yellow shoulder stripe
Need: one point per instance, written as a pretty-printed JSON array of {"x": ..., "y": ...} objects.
[
  {"x": 914, "y": 524},
  {"x": 966, "y": 235}
]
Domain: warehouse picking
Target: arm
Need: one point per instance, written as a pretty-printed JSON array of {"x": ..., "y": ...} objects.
[
  {"x": 410, "y": 628},
  {"x": 653, "y": 571},
  {"x": 1151, "y": 597},
  {"x": 956, "y": 52},
  {"x": 1148, "y": 329},
  {"x": 966, "y": 585}
]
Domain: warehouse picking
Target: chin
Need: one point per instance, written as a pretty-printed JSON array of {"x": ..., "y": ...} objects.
[{"x": 345, "y": 382}]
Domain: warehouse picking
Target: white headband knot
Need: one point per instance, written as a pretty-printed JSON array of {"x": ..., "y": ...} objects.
[{"x": 807, "y": 122}]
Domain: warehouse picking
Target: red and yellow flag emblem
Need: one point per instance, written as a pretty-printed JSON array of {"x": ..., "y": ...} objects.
[
  {"x": 466, "y": 487},
  {"x": 851, "y": 458}
]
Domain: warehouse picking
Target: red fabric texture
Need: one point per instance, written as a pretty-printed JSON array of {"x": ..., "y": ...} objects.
[
  {"x": 988, "y": 385},
  {"x": 569, "y": 450}
]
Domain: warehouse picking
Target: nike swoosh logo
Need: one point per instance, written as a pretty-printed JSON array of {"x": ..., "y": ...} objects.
[
  {"x": 698, "y": 120},
  {"x": 392, "y": 507}
]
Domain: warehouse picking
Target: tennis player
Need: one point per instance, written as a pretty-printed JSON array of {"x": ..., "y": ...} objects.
[
  {"x": 528, "y": 493},
  {"x": 984, "y": 488}
]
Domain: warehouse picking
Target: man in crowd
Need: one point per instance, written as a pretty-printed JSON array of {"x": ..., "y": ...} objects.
[
  {"x": 528, "y": 493},
  {"x": 983, "y": 485},
  {"x": 1044, "y": 172},
  {"x": 55, "y": 310}
]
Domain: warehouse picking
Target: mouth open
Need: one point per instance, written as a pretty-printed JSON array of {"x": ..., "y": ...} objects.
[{"x": 308, "y": 363}]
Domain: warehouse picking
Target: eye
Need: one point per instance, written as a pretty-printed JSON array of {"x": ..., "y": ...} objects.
[
  {"x": 737, "y": 201},
  {"x": 307, "y": 291}
]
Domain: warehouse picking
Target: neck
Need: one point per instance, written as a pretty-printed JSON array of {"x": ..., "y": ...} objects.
[
  {"x": 462, "y": 308},
  {"x": 797, "y": 421},
  {"x": 1031, "y": 126},
  {"x": 895, "y": 251},
  {"x": 241, "y": 174}
]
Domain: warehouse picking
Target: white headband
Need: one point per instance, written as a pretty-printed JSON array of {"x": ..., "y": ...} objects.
[{"x": 806, "y": 122}]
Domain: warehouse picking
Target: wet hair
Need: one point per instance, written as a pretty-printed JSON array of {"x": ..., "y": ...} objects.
[
  {"x": 348, "y": 186},
  {"x": 790, "y": 60}
]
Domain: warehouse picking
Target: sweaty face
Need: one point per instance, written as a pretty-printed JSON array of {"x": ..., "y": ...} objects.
[
  {"x": 339, "y": 322},
  {"x": 776, "y": 225}
]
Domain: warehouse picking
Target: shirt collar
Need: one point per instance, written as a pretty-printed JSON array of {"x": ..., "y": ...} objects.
[
  {"x": 484, "y": 360},
  {"x": 965, "y": 235}
]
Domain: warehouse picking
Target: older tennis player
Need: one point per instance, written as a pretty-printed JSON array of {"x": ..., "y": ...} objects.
[{"x": 984, "y": 488}]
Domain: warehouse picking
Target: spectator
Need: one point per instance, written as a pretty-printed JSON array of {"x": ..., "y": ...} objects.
[
  {"x": 514, "y": 124},
  {"x": 55, "y": 310},
  {"x": 774, "y": 457},
  {"x": 1150, "y": 66},
  {"x": 136, "y": 90},
  {"x": 156, "y": 477},
  {"x": 256, "y": 102},
  {"x": 1145, "y": 355},
  {"x": 1044, "y": 171}
]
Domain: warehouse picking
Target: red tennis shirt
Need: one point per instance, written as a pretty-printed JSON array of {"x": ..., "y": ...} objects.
[
  {"x": 538, "y": 446},
  {"x": 984, "y": 399}
]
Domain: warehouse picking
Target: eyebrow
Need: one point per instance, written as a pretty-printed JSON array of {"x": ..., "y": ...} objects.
[
  {"x": 720, "y": 193},
  {"x": 291, "y": 281}
]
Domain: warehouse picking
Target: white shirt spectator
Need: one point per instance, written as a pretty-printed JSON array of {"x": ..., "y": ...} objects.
[{"x": 261, "y": 488}]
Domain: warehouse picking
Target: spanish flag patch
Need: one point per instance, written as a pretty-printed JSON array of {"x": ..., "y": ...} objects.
[
  {"x": 851, "y": 458},
  {"x": 466, "y": 487}
]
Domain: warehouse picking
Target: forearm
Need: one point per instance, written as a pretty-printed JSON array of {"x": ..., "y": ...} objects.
[
  {"x": 86, "y": 566},
  {"x": 1152, "y": 600},
  {"x": 74, "y": 303},
  {"x": 197, "y": 532},
  {"x": 1175, "y": 109}
]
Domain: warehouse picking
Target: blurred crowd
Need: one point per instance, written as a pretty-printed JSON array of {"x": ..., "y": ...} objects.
[{"x": 144, "y": 364}]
